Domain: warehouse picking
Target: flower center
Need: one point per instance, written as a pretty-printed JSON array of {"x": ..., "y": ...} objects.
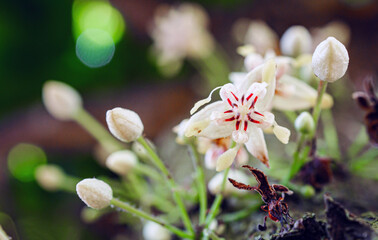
[{"x": 243, "y": 111}]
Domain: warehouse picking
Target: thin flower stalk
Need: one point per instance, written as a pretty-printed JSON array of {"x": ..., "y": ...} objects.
[
  {"x": 148, "y": 171},
  {"x": 295, "y": 166},
  {"x": 69, "y": 184},
  {"x": 214, "y": 68},
  {"x": 241, "y": 214},
  {"x": 359, "y": 143},
  {"x": 217, "y": 202},
  {"x": 299, "y": 156},
  {"x": 200, "y": 182},
  {"x": 330, "y": 134},
  {"x": 218, "y": 199},
  {"x": 317, "y": 109},
  {"x": 89, "y": 123},
  {"x": 213, "y": 236},
  {"x": 127, "y": 207},
  {"x": 171, "y": 183}
]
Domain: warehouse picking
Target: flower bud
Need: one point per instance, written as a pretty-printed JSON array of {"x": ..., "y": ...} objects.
[
  {"x": 330, "y": 60},
  {"x": 121, "y": 162},
  {"x": 49, "y": 177},
  {"x": 296, "y": 40},
  {"x": 304, "y": 123},
  {"x": 61, "y": 100},
  {"x": 95, "y": 193},
  {"x": 226, "y": 159},
  {"x": 307, "y": 191},
  {"x": 124, "y": 124},
  {"x": 261, "y": 36},
  {"x": 139, "y": 150},
  {"x": 282, "y": 133},
  {"x": 153, "y": 231},
  {"x": 180, "y": 131},
  {"x": 215, "y": 183}
]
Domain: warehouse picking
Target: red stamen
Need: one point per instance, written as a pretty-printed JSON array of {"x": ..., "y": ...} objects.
[
  {"x": 237, "y": 125},
  {"x": 242, "y": 99},
  {"x": 228, "y": 111},
  {"x": 230, "y": 119},
  {"x": 245, "y": 125},
  {"x": 238, "y": 116},
  {"x": 250, "y": 95},
  {"x": 253, "y": 120},
  {"x": 236, "y": 98},
  {"x": 258, "y": 113},
  {"x": 229, "y": 102},
  {"x": 253, "y": 103}
]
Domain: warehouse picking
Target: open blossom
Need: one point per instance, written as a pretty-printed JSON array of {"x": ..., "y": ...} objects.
[
  {"x": 240, "y": 114},
  {"x": 291, "y": 93},
  {"x": 211, "y": 148},
  {"x": 181, "y": 32}
]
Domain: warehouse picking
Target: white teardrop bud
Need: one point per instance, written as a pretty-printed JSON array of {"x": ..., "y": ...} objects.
[
  {"x": 154, "y": 231},
  {"x": 330, "y": 60},
  {"x": 49, "y": 177},
  {"x": 282, "y": 133},
  {"x": 95, "y": 193},
  {"x": 304, "y": 123},
  {"x": 121, "y": 162},
  {"x": 61, "y": 100},
  {"x": 226, "y": 159},
  {"x": 296, "y": 40},
  {"x": 124, "y": 124}
]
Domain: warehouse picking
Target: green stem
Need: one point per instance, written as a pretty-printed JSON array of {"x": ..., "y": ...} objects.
[
  {"x": 171, "y": 183},
  {"x": 89, "y": 123},
  {"x": 217, "y": 202},
  {"x": 316, "y": 112},
  {"x": 69, "y": 184},
  {"x": 359, "y": 143},
  {"x": 213, "y": 236},
  {"x": 135, "y": 183},
  {"x": 127, "y": 207},
  {"x": 236, "y": 216},
  {"x": 330, "y": 134},
  {"x": 296, "y": 165},
  {"x": 147, "y": 171},
  {"x": 291, "y": 115},
  {"x": 200, "y": 182},
  {"x": 213, "y": 68}
]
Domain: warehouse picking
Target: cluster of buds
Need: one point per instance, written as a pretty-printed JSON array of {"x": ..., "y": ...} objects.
[{"x": 226, "y": 129}]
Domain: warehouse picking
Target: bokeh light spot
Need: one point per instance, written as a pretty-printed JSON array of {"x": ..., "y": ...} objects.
[
  {"x": 95, "y": 48},
  {"x": 23, "y": 159},
  {"x": 89, "y": 14}
]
